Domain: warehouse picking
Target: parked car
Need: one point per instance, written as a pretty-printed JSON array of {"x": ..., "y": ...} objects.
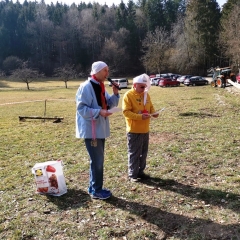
[
  {"x": 183, "y": 77},
  {"x": 122, "y": 82},
  {"x": 238, "y": 78},
  {"x": 196, "y": 80},
  {"x": 172, "y": 75},
  {"x": 151, "y": 81},
  {"x": 155, "y": 81},
  {"x": 114, "y": 80},
  {"x": 168, "y": 82},
  {"x": 152, "y": 76},
  {"x": 175, "y": 76},
  {"x": 162, "y": 75}
]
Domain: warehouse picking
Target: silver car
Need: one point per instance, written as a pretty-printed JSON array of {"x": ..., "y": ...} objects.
[{"x": 122, "y": 82}]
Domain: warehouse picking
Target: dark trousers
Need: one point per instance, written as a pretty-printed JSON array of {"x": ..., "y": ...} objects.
[{"x": 137, "y": 153}]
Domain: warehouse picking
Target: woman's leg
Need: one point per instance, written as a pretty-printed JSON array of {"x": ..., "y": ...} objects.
[
  {"x": 134, "y": 151},
  {"x": 143, "y": 157}
]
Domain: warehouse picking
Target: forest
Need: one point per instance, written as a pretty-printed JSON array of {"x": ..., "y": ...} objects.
[{"x": 152, "y": 36}]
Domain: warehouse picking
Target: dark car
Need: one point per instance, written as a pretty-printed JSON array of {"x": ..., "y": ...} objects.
[
  {"x": 168, "y": 82},
  {"x": 183, "y": 77},
  {"x": 196, "y": 80}
]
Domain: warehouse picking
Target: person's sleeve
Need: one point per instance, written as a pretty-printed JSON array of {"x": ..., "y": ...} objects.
[
  {"x": 113, "y": 100},
  {"x": 127, "y": 109},
  {"x": 84, "y": 102}
]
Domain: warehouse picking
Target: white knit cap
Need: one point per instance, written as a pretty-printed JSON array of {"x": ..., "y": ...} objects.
[
  {"x": 97, "y": 67},
  {"x": 144, "y": 79}
]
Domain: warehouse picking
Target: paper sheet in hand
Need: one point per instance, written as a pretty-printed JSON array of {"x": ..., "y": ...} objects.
[
  {"x": 114, "y": 110},
  {"x": 157, "y": 112}
]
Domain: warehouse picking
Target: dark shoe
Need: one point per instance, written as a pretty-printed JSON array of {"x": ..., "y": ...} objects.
[
  {"x": 90, "y": 191},
  {"x": 103, "y": 194},
  {"x": 144, "y": 176}
]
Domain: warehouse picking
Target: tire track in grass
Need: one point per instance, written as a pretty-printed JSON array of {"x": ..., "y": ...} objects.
[{"x": 12, "y": 103}]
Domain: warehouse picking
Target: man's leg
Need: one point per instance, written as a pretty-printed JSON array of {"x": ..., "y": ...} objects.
[{"x": 96, "y": 164}]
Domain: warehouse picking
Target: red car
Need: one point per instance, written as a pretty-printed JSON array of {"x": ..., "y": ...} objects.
[
  {"x": 168, "y": 82},
  {"x": 238, "y": 78}
]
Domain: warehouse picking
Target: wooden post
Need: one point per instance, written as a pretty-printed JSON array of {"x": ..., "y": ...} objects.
[{"x": 45, "y": 109}]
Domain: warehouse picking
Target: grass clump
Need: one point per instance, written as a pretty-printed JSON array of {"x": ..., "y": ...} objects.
[{"x": 193, "y": 161}]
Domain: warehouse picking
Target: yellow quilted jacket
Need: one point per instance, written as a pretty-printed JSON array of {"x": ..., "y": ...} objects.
[{"x": 133, "y": 105}]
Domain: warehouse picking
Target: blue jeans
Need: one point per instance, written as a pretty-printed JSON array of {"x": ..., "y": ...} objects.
[{"x": 96, "y": 155}]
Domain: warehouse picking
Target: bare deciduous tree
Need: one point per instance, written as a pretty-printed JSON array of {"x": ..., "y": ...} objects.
[
  {"x": 113, "y": 55},
  {"x": 42, "y": 45},
  {"x": 91, "y": 34},
  {"x": 65, "y": 73},
  {"x": 230, "y": 36},
  {"x": 180, "y": 57},
  {"x": 155, "y": 46},
  {"x": 25, "y": 74}
]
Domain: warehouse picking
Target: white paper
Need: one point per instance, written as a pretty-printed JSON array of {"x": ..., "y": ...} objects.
[
  {"x": 114, "y": 110},
  {"x": 157, "y": 112}
]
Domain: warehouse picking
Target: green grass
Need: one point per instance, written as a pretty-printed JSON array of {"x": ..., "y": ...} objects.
[{"x": 193, "y": 160}]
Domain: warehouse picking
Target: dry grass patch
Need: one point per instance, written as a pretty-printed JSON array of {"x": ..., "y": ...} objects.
[{"x": 193, "y": 160}]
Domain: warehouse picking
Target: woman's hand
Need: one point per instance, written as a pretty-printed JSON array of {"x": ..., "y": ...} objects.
[
  {"x": 155, "y": 115},
  {"x": 145, "y": 116}
]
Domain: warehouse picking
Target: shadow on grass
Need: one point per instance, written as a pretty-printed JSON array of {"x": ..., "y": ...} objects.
[
  {"x": 177, "y": 225},
  {"x": 74, "y": 198},
  {"x": 194, "y": 114},
  {"x": 170, "y": 224},
  {"x": 213, "y": 197}
]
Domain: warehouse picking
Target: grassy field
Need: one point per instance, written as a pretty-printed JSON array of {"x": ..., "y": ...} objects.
[{"x": 193, "y": 160}]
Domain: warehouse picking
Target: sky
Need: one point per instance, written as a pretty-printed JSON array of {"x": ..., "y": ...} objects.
[{"x": 102, "y": 2}]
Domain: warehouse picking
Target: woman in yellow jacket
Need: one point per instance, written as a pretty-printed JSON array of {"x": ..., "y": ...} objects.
[{"x": 137, "y": 110}]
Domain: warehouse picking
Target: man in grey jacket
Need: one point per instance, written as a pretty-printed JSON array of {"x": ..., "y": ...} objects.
[{"x": 92, "y": 123}]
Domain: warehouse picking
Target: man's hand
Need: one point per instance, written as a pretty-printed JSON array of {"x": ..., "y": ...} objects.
[
  {"x": 105, "y": 113},
  {"x": 115, "y": 90}
]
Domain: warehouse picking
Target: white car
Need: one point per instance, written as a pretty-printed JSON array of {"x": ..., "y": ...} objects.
[
  {"x": 151, "y": 81},
  {"x": 155, "y": 81},
  {"x": 122, "y": 82}
]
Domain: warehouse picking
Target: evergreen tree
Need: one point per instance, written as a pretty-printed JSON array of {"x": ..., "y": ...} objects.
[
  {"x": 154, "y": 11},
  {"x": 172, "y": 8},
  {"x": 201, "y": 28},
  {"x": 227, "y": 9}
]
